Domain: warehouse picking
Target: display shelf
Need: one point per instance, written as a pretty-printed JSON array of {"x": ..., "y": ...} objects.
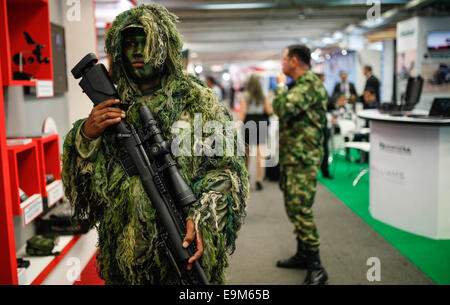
[
  {"x": 24, "y": 173},
  {"x": 25, "y": 83},
  {"x": 49, "y": 163},
  {"x": 41, "y": 266},
  {"x": 32, "y": 17},
  {"x": 8, "y": 263},
  {"x": 19, "y": 165}
]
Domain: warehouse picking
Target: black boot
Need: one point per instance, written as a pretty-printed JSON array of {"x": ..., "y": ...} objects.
[
  {"x": 299, "y": 260},
  {"x": 316, "y": 272}
]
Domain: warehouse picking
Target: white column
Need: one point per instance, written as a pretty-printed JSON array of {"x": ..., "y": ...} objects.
[
  {"x": 388, "y": 70},
  {"x": 81, "y": 39}
]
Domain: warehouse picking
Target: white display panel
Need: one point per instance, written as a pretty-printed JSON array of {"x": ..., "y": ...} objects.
[{"x": 407, "y": 174}]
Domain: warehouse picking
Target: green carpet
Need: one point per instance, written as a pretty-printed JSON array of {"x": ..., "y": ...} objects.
[{"x": 430, "y": 256}]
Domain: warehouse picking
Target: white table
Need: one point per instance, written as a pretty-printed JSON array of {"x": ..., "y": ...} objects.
[{"x": 410, "y": 173}]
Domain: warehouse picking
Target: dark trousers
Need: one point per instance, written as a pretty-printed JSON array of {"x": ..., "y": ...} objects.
[{"x": 324, "y": 166}]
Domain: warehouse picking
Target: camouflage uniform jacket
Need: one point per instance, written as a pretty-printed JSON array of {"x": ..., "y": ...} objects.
[{"x": 301, "y": 110}]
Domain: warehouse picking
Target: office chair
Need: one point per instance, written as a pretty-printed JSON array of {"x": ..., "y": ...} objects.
[
  {"x": 347, "y": 129},
  {"x": 363, "y": 147}
]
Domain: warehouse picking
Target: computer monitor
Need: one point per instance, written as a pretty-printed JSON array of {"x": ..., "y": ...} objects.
[
  {"x": 59, "y": 59},
  {"x": 440, "y": 107},
  {"x": 438, "y": 41}
]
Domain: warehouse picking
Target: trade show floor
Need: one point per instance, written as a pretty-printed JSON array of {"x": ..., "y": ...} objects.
[
  {"x": 347, "y": 243},
  {"x": 431, "y": 256},
  {"x": 349, "y": 238}
]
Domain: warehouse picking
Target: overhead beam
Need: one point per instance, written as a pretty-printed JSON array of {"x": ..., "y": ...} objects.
[{"x": 266, "y": 5}]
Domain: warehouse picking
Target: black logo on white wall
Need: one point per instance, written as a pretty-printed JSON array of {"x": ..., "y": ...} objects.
[{"x": 399, "y": 149}]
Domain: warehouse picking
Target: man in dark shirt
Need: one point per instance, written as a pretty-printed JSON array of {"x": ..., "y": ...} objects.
[
  {"x": 326, "y": 136},
  {"x": 372, "y": 82},
  {"x": 370, "y": 98},
  {"x": 345, "y": 87}
]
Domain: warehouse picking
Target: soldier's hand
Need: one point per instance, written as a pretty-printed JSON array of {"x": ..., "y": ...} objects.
[
  {"x": 281, "y": 78},
  {"x": 189, "y": 238},
  {"x": 102, "y": 116}
]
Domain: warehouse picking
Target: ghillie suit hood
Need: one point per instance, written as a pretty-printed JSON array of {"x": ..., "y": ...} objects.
[
  {"x": 99, "y": 189},
  {"x": 163, "y": 44}
]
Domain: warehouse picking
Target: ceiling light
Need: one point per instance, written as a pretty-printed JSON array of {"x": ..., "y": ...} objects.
[
  {"x": 350, "y": 28},
  {"x": 125, "y": 5},
  {"x": 327, "y": 40},
  {"x": 198, "y": 69},
  {"x": 216, "y": 68},
  {"x": 338, "y": 35},
  {"x": 316, "y": 54}
]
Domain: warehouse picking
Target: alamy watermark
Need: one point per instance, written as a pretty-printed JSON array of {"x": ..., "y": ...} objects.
[
  {"x": 373, "y": 13},
  {"x": 73, "y": 10},
  {"x": 217, "y": 139},
  {"x": 74, "y": 271},
  {"x": 374, "y": 272}
]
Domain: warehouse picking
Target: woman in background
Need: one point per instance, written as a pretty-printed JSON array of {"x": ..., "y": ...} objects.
[{"x": 255, "y": 107}]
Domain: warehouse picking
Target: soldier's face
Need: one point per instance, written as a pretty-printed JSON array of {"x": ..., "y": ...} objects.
[
  {"x": 287, "y": 63},
  {"x": 133, "y": 50}
]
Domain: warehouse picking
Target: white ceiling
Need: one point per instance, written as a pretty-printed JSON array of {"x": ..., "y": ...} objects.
[{"x": 216, "y": 33}]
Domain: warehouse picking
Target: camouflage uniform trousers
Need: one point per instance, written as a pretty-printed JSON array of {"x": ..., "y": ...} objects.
[{"x": 298, "y": 183}]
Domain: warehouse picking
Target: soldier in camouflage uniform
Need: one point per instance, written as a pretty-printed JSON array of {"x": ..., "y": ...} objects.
[
  {"x": 146, "y": 65},
  {"x": 301, "y": 110}
]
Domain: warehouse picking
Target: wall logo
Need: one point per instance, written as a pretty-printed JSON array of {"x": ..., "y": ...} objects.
[
  {"x": 403, "y": 150},
  {"x": 406, "y": 33},
  {"x": 393, "y": 175}
]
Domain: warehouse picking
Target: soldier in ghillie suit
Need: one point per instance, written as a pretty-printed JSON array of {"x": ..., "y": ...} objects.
[
  {"x": 301, "y": 110},
  {"x": 144, "y": 47}
]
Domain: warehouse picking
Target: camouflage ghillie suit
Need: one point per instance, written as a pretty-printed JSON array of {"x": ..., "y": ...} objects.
[
  {"x": 99, "y": 189},
  {"x": 301, "y": 111}
]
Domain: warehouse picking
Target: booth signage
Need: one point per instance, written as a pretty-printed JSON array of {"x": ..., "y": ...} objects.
[
  {"x": 54, "y": 192},
  {"x": 32, "y": 208},
  {"x": 44, "y": 88}
]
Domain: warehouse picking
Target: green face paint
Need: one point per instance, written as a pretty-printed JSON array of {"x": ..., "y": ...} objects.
[{"x": 133, "y": 50}]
